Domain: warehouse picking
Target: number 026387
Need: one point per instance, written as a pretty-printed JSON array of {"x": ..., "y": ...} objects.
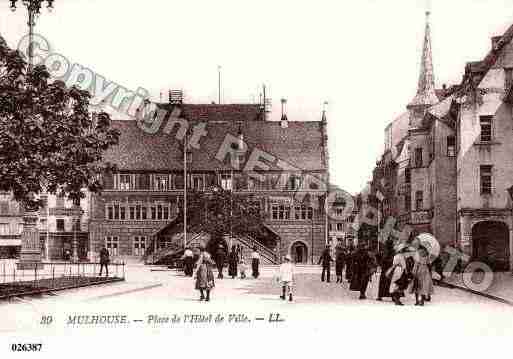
[{"x": 32, "y": 347}]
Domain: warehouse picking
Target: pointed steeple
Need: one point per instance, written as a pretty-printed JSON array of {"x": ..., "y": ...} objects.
[{"x": 426, "y": 95}]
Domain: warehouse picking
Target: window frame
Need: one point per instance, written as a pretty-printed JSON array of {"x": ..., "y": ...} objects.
[{"x": 486, "y": 172}]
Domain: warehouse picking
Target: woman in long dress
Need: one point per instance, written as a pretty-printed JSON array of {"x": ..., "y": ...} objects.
[
  {"x": 397, "y": 276},
  {"x": 386, "y": 260},
  {"x": 422, "y": 281},
  {"x": 233, "y": 258},
  {"x": 205, "y": 276}
]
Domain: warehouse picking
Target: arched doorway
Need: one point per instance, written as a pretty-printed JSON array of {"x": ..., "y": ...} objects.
[
  {"x": 490, "y": 244},
  {"x": 299, "y": 252}
]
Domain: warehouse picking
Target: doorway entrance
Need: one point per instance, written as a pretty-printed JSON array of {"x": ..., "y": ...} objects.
[
  {"x": 299, "y": 252},
  {"x": 490, "y": 244}
]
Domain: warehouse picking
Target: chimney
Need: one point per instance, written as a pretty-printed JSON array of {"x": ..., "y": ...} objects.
[
  {"x": 495, "y": 42},
  {"x": 175, "y": 97},
  {"x": 284, "y": 120}
]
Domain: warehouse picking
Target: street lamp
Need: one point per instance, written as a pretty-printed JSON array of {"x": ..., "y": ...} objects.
[{"x": 34, "y": 10}]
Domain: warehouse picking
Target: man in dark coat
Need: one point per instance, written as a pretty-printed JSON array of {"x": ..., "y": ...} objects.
[
  {"x": 387, "y": 257},
  {"x": 104, "y": 261},
  {"x": 220, "y": 259},
  {"x": 363, "y": 268},
  {"x": 326, "y": 260},
  {"x": 349, "y": 263}
]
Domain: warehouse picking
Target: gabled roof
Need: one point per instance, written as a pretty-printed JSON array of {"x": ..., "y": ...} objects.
[{"x": 299, "y": 145}]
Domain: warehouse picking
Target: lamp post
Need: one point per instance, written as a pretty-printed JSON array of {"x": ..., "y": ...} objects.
[{"x": 34, "y": 10}]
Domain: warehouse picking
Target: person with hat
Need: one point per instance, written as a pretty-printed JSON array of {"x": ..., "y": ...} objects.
[
  {"x": 220, "y": 259},
  {"x": 325, "y": 260},
  {"x": 255, "y": 262},
  {"x": 398, "y": 274},
  {"x": 233, "y": 259},
  {"x": 286, "y": 277},
  {"x": 386, "y": 259},
  {"x": 422, "y": 281},
  {"x": 364, "y": 267},
  {"x": 188, "y": 262}
]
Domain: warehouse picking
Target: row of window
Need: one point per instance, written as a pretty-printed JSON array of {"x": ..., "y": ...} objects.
[
  {"x": 139, "y": 212},
  {"x": 336, "y": 227},
  {"x": 284, "y": 212},
  {"x": 138, "y": 247},
  {"x": 201, "y": 182}
]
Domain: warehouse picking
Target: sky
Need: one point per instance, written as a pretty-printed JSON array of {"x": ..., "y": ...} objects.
[{"x": 361, "y": 56}]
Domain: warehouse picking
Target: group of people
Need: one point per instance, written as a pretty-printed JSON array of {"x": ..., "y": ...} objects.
[
  {"x": 401, "y": 268},
  {"x": 202, "y": 267}
]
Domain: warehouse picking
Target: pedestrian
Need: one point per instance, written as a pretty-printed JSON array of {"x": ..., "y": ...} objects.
[
  {"x": 398, "y": 274},
  {"x": 255, "y": 262},
  {"x": 233, "y": 258},
  {"x": 386, "y": 259},
  {"x": 422, "y": 281},
  {"x": 286, "y": 277},
  {"x": 340, "y": 262},
  {"x": 349, "y": 263},
  {"x": 204, "y": 275},
  {"x": 104, "y": 261},
  {"x": 188, "y": 262},
  {"x": 325, "y": 260},
  {"x": 243, "y": 269},
  {"x": 220, "y": 259},
  {"x": 364, "y": 267}
]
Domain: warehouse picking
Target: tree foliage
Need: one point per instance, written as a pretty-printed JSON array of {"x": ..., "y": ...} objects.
[{"x": 49, "y": 140}]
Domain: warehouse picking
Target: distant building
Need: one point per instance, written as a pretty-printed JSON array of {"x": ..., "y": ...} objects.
[
  {"x": 11, "y": 226},
  {"x": 134, "y": 213}
]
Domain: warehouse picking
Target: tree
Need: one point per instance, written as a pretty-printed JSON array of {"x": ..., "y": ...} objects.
[
  {"x": 49, "y": 141},
  {"x": 219, "y": 212}
]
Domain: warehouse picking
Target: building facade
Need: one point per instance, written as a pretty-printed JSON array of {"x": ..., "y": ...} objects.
[
  {"x": 447, "y": 165},
  {"x": 282, "y": 163},
  {"x": 11, "y": 226}
]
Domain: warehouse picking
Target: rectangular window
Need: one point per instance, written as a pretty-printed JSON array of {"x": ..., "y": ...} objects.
[
  {"x": 274, "y": 211},
  {"x": 4, "y": 229},
  {"x": 124, "y": 182},
  {"x": 486, "y": 128},
  {"x": 508, "y": 78},
  {"x": 138, "y": 212},
  {"x": 116, "y": 211},
  {"x": 197, "y": 182},
  {"x": 226, "y": 181},
  {"x": 486, "y": 179},
  {"x": 161, "y": 182},
  {"x": 139, "y": 245},
  {"x": 122, "y": 213},
  {"x": 131, "y": 209},
  {"x": 153, "y": 212},
  {"x": 293, "y": 183},
  {"x": 418, "y": 157},
  {"x": 407, "y": 202},
  {"x": 144, "y": 212},
  {"x": 419, "y": 200},
  {"x": 166, "y": 212},
  {"x": 110, "y": 212},
  {"x": 159, "y": 211},
  {"x": 112, "y": 245},
  {"x": 340, "y": 226},
  {"x": 59, "y": 202},
  {"x": 59, "y": 224},
  {"x": 451, "y": 146}
]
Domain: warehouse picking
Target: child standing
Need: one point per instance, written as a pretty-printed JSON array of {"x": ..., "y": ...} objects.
[
  {"x": 243, "y": 268},
  {"x": 286, "y": 277}
]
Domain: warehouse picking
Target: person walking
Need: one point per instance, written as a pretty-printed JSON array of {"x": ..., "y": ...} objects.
[
  {"x": 364, "y": 267},
  {"x": 220, "y": 259},
  {"x": 255, "y": 262},
  {"x": 204, "y": 275},
  {"x": 243, "y": 269},
  {"x": 325, "y": 260},
  {"x": 349, "y": 263},
  {"x": 286, "y": 278},
  {"x": 104, "y": 261},
  {"x": 387, "y": 257},
  {"x": 422, "y": 281},
  {"x": 188, "y": 262},
  {"x": 233, "y": 259},
  {"x": 398, "y": 275},
  {"x": 340, "y": 261}
]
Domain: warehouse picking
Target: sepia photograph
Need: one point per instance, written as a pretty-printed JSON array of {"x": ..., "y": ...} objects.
[{"x": 256, "y": 178}]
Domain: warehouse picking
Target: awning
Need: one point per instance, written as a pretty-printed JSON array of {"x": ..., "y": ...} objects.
[{"x": 10, "y": 242}]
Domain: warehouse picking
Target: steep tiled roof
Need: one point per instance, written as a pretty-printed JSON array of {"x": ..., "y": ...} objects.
[
  {"x": 215, "y": 112},
  {"x": 300, "y": 145}
]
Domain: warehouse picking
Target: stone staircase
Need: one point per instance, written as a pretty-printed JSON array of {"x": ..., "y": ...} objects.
[{"x": 267, "y": 256}]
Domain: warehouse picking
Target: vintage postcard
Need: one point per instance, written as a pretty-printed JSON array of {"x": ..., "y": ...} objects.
[{"x": 256, "y": 178}]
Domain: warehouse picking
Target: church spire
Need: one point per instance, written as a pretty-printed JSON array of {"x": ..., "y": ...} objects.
[{"x": 426, "y": 95}]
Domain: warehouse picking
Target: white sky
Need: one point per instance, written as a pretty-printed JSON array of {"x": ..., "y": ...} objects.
[{"x": 362, "y": 56}]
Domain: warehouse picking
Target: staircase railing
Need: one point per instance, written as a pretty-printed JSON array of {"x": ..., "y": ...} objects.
[
  {"x": 174, "y": 247},
  {"x": 264, "y": 251}
]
